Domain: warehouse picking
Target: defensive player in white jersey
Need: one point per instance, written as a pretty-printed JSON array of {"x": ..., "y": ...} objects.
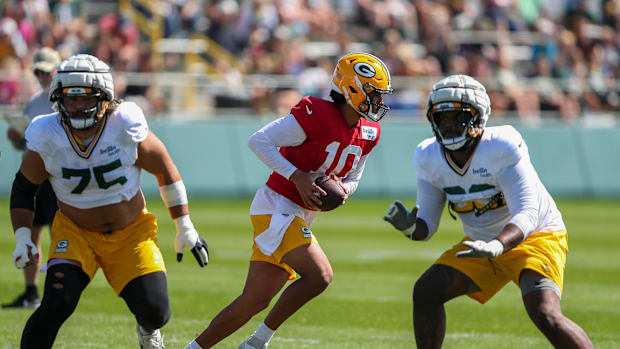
[
  {"x": 44, "y": 68},
  {"x": 319, "y": 137},
  {"x": 513, "y": 229},
  {"x": 92, "y": 150}
]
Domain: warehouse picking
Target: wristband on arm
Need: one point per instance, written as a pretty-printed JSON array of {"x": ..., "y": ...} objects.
[
  {"x": 173, "y": 194},
  {"x": 23, "y": 235}
]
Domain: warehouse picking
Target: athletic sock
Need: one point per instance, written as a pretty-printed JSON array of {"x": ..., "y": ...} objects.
[
  {"x": 31, "y": 292},
  {"x": 193, "y": 345},
  {"x": 264, "y": 333}
]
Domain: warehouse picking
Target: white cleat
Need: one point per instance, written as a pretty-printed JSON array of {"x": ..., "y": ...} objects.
[
  {"x": 253, "y": 343},
  {"x": 150, "y": 340}
]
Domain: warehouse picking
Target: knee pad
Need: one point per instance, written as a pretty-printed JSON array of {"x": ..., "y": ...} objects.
[
  {"x": 64, "y": 284},
  {"x": 147, "y": 298},
  {"x": 152, "y": 315},
  {"x": 423, "y": 290},
  {"x": 531, "y": 282}
]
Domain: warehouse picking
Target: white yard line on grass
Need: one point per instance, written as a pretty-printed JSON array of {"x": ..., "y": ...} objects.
[
  {"x": 60, "y": 344},
  {"x": 479, "y": 335},
  {"x": 387, "y": 254},
  {"x": 297, "y": 340}
]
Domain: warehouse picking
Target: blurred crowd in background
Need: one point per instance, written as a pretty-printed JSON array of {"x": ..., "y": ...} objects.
[{"x": 554, "y": 59}]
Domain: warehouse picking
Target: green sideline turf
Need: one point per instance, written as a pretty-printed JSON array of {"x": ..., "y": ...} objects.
[{"x": 368, "y": 304}]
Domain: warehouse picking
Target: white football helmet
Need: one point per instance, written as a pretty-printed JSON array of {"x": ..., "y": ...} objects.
[
  {"x": 464, "y": 94},
  {"x": 82, "y": 75}
]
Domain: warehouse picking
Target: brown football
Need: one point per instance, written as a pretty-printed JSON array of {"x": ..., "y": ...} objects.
[{"x": 335, "y": 193}]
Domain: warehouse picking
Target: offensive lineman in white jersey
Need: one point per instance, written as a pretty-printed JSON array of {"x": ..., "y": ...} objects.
[
  {"x": 513, "y": 228},
  {"x": 93, "y": 151}
]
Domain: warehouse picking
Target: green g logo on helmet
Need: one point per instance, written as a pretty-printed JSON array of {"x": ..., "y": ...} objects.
[{"x": 364, "y": 69}]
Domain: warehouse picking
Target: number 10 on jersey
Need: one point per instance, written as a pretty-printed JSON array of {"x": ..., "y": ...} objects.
[{"x": 332, "y": 150}]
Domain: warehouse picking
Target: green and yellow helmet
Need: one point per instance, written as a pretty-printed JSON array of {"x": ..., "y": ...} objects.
[{"x": 356, "y": 76}]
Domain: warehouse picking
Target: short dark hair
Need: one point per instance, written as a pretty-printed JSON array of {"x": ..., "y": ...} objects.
[{"x": 337, "y": 97}]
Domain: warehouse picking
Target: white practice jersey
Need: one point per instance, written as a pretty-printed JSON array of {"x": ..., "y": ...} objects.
[
  {"x": 498, "y": 185},
  {"x": 102, "y": 174}
]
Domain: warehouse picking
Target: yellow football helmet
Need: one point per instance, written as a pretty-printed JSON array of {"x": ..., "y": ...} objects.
[{"x": 356, "y": 76}]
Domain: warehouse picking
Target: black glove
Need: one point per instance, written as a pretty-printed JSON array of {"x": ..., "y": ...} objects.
[{"x": 401, "y": 218}]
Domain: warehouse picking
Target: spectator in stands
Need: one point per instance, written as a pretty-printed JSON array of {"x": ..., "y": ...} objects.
[
  {"x": 272, "y": 37},
  {"x": 552, "y": 97},
  {"x": 287, "y": 98},
  {"x": 10, "y": 83}
]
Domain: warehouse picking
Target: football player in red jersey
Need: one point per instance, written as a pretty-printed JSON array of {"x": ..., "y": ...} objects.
[{"x": 318, "y": 138}]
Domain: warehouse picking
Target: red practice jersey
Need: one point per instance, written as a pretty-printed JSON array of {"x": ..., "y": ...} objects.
[{"x": 330, "y": 145}]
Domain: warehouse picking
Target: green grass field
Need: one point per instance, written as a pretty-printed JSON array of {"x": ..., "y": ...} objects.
[{"x": 368, "y": 304}]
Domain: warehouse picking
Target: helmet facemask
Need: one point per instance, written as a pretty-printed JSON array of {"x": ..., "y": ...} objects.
[
  {"x": 373, "y": 108},
  {"x": 455, "y": 124},
  {"x": 86, "y": 118}
]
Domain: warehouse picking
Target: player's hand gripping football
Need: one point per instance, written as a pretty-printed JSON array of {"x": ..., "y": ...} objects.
[
  {"x": 304, "y": 182},
  {"x": 187, "y": 237},
  {"x": 26, "y": 252},
  {"x": 401, "y": 218},
  {"x": 346, "y": 192},
  {"x": 482, "y": 249}
]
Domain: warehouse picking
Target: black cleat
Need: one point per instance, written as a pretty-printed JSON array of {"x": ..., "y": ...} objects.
[{"x": 23, "y": 301}]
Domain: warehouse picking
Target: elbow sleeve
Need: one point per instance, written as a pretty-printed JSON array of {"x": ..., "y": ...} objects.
[
  {"x": 526, "y": 221},
  {"x": 23, "y": 192}
]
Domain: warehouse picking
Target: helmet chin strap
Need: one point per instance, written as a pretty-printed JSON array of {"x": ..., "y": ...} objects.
[
  {"x": 456, "y": 144},
  {"x": 373, "y": 116},
  {"x": 82, "y": 124},
  {"x": 463, "y": 141},
  {"x": 459, "y": 142},
  {"x": 366, "y": 110},
  {"x": 381, "y": 111},
  {"x": 88, "y": 119},
  {"x": 93, "y": 116}
]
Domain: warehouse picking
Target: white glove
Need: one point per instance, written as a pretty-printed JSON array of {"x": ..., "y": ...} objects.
[
  {"x": 24, "y": 246},
  {"x": 482, "y": 249},
  {"x": 188, "y": 237},
  {"x": 401, "y": 218}
]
